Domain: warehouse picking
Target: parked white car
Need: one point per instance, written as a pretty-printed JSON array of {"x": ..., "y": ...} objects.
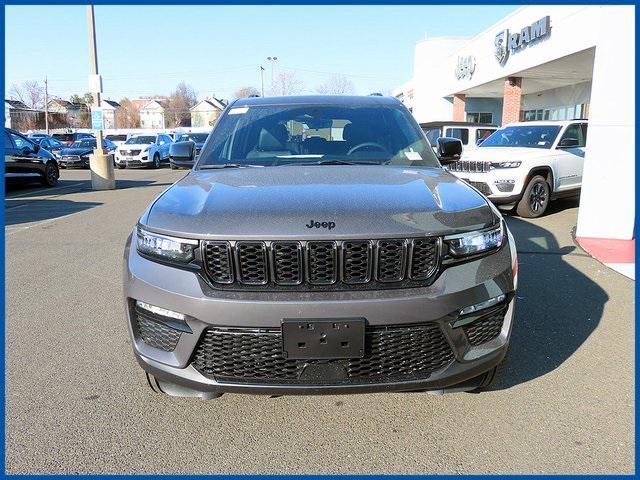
[
  {"x": 469, "y": 133},
  {"x": 525, "y": 165},
  {"x": 143, "y": 150}
]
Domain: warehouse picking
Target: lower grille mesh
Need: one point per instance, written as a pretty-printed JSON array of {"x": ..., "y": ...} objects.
[
  {"x": 156, "y": 334},
  {"x": 255, "y": 356},
  {"x": 485, "y": 328}
]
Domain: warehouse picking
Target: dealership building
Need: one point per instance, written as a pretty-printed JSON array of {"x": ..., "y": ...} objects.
[{"x": 547, "y": 63}]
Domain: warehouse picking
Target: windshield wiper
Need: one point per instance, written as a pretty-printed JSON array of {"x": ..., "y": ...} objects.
[
  {"x": 337, "y": 162},
  {"x": 227, "y": 165}
]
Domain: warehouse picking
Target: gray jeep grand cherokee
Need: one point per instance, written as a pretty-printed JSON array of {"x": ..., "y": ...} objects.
[{"x": 317, "y": 246}]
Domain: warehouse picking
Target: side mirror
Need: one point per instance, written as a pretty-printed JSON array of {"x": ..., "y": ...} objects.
[
  {"x": 182, "y": 151},
  {"x": 449, "y": 149},
  {"x": 479, "y": 141},
  {"x": 568, "y": 142},
  {"x": 36, "y": 148}
]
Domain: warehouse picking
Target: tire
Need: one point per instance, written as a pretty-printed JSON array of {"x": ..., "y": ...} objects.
[
  {"x": 121, "y": 166},
  {"x": 535, "y": 200},
  {"x": 51, "y": 175},
  {"x": 156, "y": 161},
  {"x": 173, "y": 167}
]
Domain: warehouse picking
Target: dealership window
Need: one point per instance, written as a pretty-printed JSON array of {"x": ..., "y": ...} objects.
[
  {"x": 567, "y": 112},
  {"x": 480, "y": 117},
  {"x": 459, "y": 133}
]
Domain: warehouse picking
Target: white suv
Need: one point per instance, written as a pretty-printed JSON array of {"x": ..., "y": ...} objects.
[{"x": 524, "y": 165}]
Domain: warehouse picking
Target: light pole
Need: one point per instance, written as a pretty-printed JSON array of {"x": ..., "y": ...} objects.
[
  {"x": 102, "y": 175},
  {"x": 262, "y": 79},
  {"x": 272, "y": 60}
]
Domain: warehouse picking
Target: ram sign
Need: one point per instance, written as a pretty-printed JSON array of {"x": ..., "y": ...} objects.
[{"x": 506, "y": 43}]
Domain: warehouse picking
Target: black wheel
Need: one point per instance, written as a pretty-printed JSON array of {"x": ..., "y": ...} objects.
[
  {"x": 121, "y": 165},
  {"x": 535, "y": 200},
  {"x": 51, "y": 175},
  {"x": 156, "y": 161},
  {"x": 173, "y": 167}
]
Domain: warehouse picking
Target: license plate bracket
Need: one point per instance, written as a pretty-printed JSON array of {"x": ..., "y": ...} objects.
[{"x": 322, "y": 339}]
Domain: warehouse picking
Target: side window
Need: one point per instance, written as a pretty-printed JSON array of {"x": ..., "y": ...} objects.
[
  {"x": 20, "y": 142},
  {"x": 482, "y": 133},
  {"x": 432, "y": 135},
  {"x": 8, "y": 142},
  {"x": 584, "y": 132},
  {"x": 574, "y": 131},
  {"x": 459, "y": 133}
]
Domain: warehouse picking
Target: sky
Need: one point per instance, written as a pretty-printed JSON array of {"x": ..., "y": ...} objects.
[{"x": 148, "y": 50}]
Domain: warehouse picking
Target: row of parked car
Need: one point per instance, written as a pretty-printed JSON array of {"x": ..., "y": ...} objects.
[{"x": 40, "y": 157}]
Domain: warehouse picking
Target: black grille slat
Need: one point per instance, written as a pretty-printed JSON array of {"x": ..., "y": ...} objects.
[
  {"x": 252, "y": 262},
  {"x": 218, "y": 261},
  {"x": 322, "y": 258},
  {"x": 391, "y": 260},
  {"x": 356, "y": 262},
  {"x": 485, "y": 328},
  {"x": 424, "y": 258},
  {"x": 287, "y": 263},
  {"x": 320, "y": 265},
  {"x": 255, "y": 356}
]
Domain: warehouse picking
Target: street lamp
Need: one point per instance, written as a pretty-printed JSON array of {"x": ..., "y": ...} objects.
[{"x": 272, "y": 60}]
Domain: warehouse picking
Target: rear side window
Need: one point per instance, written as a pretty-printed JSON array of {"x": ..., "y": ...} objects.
[
  {"x": 461, "y": 134},
  {"x": 20, "y": 142},
  {"x": 63, "y": 137}
]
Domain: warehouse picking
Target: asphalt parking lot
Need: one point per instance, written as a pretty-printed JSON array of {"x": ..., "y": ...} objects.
[{"x": 76, "y": 401}]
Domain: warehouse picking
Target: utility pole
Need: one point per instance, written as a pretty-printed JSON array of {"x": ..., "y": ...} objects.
[
  {"x": 262, "y": 79},
  {"x": 272, "y": 60},
  {"x": 46, "y": 106},
  {"x": 102, "y": 175}
]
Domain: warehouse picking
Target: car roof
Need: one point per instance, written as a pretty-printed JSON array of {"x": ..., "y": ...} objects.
[
  {"x": 338, "y": 100},
  {"x": 457, "y": 124},
  {"x": 545, "y": 123}
]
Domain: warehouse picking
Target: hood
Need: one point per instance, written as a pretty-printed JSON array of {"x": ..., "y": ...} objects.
[
  {"x": 499, "y": 154},
  {"x": 133, "y": 146},
  {"x": 76, "y": 151},
  {"x": 285, "y": 202}
]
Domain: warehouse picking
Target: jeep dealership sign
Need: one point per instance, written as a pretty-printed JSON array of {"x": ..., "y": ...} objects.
[{"x": 506, "y": 43}]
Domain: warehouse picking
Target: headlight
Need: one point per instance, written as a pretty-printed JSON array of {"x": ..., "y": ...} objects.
[
  {"x": 475, "y": 242},
  {"x": 506, "y": 164},
  {"x": 166, "y": 248}
]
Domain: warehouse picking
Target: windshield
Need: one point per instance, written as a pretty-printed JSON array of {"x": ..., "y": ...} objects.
[
  {"x": 527, "y": 136},
  {"x": 196, "y": 137},
  {"x": 84, "y": 143},
  {"x": 141, "y": 140},
  {"x": 271, "y": 135}
]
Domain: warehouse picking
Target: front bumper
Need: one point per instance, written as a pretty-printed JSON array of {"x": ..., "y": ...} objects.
[
  {"x": 76, "y": 162},
  {"x": 501, "y": 186},
  {"x": 140, "y": 160},
  {"x": 437, "y": 305}
]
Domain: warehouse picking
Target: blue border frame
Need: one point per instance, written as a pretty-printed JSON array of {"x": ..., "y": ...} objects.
[{"x": 311, "y": 2}]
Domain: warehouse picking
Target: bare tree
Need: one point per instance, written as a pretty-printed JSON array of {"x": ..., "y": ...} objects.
[
  {"x": 336, "y": 85},
  {"x": 128, "y": 115},
  {"x": 177, "y": 107},
  {"x": 30, "y": 93},
  {"x": 245, "y": 92},
  {"x": 286, "y": 83}
]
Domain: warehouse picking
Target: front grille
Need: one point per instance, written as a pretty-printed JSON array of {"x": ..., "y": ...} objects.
[
  {"x": 313, "y": 265},
  {"x": 71, "y": 158},
  {"x": 480, "y": 186},
  {"x": 392, "y": 353},
  {"x": 485, "y": 328},
  {"x": 154, "y": 333},
  {"x": 132, "y": 153},
  {"x": 471, "y": 166}
]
